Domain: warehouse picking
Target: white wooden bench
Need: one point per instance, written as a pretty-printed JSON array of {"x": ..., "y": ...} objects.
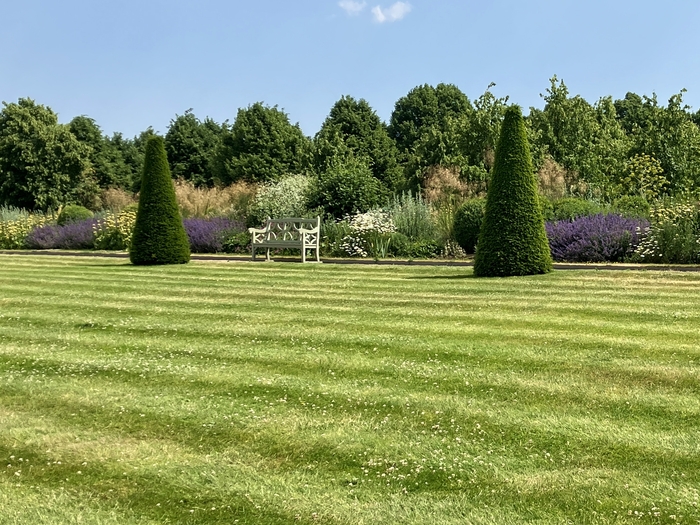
[{"x": 290, "y": 233}]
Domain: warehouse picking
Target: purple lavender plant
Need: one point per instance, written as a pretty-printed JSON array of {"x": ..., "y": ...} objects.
[
  {"x": 595, "y": 238},
  {"x": 208, "y": 235},
  {"x": 73, "y": 236}
]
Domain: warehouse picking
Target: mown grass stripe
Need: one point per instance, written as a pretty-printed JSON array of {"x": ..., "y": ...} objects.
[{"x": 338, "y": 394}]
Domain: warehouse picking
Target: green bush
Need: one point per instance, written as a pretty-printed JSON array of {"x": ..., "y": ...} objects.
[
  {"x": 468, "y": 219},
  {"x": 513, "y": 240},
  {"x": 547, "y": 207},
  {"x": 283, "y": 198},
  {"x": 345, "y": 188},
  {"x": 237, "y": 243},
  {"x": 402, "y": 246},
  {"x": 73, "y": 213},
  {"x": 159, "y": 236},
  {"x": 633, "y": 206},
  {"x": 572, "y": 208}
]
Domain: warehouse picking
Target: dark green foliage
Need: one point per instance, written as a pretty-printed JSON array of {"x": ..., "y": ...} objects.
[
  {"x": 425, "y": 108},
  {"x": 512, "y": 239},
  {"x": 547, "y": 207},
  {"x": 353, "y": 127},
  {"x": 191, "y": 145},
  {"x": 73, "y": 213},
  {"x": 572, "y": 208},
  {"x": 467, "y": 225},
  {"x": 159, "y": 236},
  {"x": 42, "y": 165},
  {"x": 634, "y": 206},
  {"x": 108, "y": 165},
  {"x": 345, "y": 188},
  {"x": 261, "y": 146},
  {"x": 404, "y": 247},
  {"x": 237, "y": 243}
]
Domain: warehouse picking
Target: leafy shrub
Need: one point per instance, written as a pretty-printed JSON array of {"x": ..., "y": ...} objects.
[
  {"x": 402, "y": 246},
  {"x": 114, "y": 231},
  {"x": 467, "y": 223},
  {"x": 73, "y": 213},
  {"x": 13, "y": 232},
  {"x": 547, "y": 207},
  {"x": 208, "y": 235},
  {"x": 284, "y": 198},
  {"x": 77, "y": 235},
  {"x": 573, "y": 207},
  {"x": 412, "y": 216},
  {"x": 594, "y": 238},
  {"x": 370, "y": 234},
  {"x": 159, "y": 236},
  {"x": 513, "y": 240},
  {"x": 346, "y": 188},
  {"x": 673, "y": 236},
  {"x": 237, "y": 243},
  {"x": 633, "y": 206}
]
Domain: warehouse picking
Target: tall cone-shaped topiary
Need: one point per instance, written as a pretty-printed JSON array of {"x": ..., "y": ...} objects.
[
  {"x": 159, "y": 236},
  {"x": 512, "y": 240}
]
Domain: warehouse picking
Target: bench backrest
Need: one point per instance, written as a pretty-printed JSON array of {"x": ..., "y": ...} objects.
[{"x": 288, "y": 229}]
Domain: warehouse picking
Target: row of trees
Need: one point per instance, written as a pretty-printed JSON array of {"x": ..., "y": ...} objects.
[{"x": 602, "y": 150}]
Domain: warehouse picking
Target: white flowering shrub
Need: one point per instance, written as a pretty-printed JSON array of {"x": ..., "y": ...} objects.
[
  {"x": 672, "y": 237},
  {"x": 283, "y": 198},
  {"x": 370, "y": 234}
]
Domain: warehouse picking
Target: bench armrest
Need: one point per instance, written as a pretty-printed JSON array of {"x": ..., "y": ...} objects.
[
  {"x": 309, "y": 230},
  {"x": 257, "y": 230}
]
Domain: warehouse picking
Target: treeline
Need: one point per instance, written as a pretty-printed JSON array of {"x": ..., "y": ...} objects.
[{"x": 602, "y": 151}]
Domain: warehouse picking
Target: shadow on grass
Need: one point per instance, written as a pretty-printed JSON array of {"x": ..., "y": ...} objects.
[{"x": 445, "y": 277}]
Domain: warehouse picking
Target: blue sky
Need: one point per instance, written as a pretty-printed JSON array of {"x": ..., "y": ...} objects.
[{"x": 132, "y": 64}]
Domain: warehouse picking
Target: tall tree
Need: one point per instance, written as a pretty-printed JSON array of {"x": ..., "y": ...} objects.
[
  {"x": 352, "y": 126},
  {"x": 42, "y": 164},
  {"x": 262, "y": 145},
  {"x": 425, "y": 108},
  {"x": 513, "y": 240},
  {"x": 107, "y": 162},
  {"x": 667, "y": 134},
  {"x": 191, "y": 145},
  {"x": 583, "y": 138}
]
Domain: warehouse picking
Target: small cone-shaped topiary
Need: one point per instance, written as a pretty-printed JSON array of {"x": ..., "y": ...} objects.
[
  {"x": 159, "y": 236},
  {"x": 512, "y": 240}
]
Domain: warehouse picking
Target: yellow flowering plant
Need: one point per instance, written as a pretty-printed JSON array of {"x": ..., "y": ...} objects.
[{"x": 114, "y": 231}]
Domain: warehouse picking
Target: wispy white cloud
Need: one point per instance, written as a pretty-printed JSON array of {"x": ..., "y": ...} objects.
[
  {"x": 351, "y": 7},
  {"x": 392, "y": 13}
]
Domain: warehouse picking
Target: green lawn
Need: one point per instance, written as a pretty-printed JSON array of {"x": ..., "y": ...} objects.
[{"x": 286, "y": 393}]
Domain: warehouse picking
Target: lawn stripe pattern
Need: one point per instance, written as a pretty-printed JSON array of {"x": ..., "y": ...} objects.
[{"x": 287, "y": 393}]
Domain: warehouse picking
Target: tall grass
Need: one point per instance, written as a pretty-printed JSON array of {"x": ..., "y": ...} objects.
[{"x": 231, "y": 201}]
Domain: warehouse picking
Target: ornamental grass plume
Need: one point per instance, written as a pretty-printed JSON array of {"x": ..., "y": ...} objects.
[
  {"x": 159, "y": 236},
  {"x": 512, "y": 240}
]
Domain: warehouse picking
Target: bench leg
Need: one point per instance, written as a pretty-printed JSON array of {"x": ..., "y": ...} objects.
[
  {"x": 267, "y": 255},
  {"x": 318, "y": 259},
  {"x": 303, "y": 254},
  {"x": 253, "y": 248}
]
